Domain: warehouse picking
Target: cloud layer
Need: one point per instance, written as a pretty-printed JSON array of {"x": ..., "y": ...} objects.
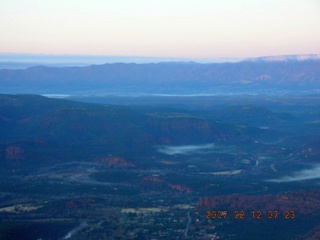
[
  {"x": 186, "y": 149},
  {"x": 306, "y": 174}
]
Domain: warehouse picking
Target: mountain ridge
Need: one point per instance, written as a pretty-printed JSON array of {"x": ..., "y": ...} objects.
[{"x": 246, "y": 77}]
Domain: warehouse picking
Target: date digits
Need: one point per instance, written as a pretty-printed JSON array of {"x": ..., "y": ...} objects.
[
  {"x": 274, "y": 214},
  {"x": 216, "y": 214},
  {"x": 255, "y": 214}
]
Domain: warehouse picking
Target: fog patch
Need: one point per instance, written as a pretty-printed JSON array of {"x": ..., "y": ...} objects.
[
  {"x": 75, "y": 230},
  {"x": 56, "y": 95},
  {"x": 306, "y": 174},
  {"x": 186, "y": 149}
]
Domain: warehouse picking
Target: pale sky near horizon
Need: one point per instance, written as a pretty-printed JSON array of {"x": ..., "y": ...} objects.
[{"x": 166, "y": 28}]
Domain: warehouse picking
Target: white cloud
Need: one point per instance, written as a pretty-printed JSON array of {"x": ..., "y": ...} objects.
[
  {"x": 306, "y": 174},
  {"x": 186, "y": 149}
]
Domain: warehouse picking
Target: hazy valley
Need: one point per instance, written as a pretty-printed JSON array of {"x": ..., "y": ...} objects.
[{"x": 152, "y": 167}]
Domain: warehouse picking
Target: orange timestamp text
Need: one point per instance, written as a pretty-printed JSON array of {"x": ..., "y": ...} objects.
[{"x": 254, "y": 214}]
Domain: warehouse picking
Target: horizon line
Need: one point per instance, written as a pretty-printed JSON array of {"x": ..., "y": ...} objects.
[{"x": 24, "y": 60}]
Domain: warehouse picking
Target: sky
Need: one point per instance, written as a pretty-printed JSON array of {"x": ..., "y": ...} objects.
[{"x": 200, "y": 29}]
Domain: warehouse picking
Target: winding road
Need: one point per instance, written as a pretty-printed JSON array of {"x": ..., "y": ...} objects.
[{"x": 187, "y": 227}]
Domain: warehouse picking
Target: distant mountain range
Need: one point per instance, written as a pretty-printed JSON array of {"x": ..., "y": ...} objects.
[
  {"x": 285, "y": 58},
  {"x": 284, "y": 75},
  {"x": 23, "y": 61}
]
